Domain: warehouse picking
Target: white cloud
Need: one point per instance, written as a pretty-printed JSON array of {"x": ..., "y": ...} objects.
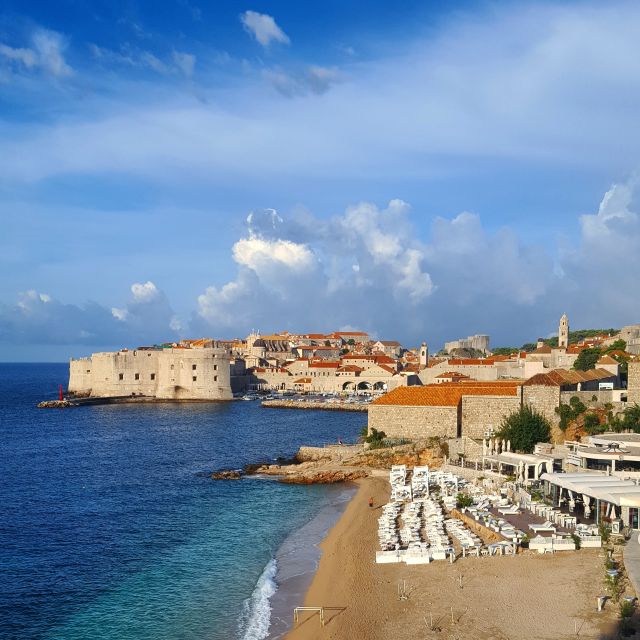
[
  {"x": 50, "y": 47},
  {"x": 119, "y": 314},
  {"x": 511, "y": 86},
  {"x": 312, "y": 80},
  {"x": 186, "y": 62},
  {"x": 144, "y": 292},
  {"x": 46, "y": 53},
  {"x": 26, "y": 57},
  {"x": 263, "y": 28}
]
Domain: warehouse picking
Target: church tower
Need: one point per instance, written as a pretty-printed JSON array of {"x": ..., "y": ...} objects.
[
  {"x": 424, "y": 356},
  {"x": 563, "y": 331}
]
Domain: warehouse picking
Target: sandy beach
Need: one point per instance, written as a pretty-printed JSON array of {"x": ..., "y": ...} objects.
[{"x": 527, "y": 596}]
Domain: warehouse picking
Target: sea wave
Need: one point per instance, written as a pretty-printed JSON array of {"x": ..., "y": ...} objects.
[{"x": 256, "y": 614}]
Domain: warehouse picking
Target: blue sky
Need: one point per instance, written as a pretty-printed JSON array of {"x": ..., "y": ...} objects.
[{"x": 419, "y": 170}]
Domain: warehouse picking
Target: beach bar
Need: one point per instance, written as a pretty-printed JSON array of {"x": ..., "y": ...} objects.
[{"x": 597, "y": 498}]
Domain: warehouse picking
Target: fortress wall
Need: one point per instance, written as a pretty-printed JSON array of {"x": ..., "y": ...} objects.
[
  {"x": 414, "y": 422},
  {"x": 479, "y": 413},
  {"x": 167, "y": 374},
  {"x": 80, "y": 378},
  {"x": 195, "y": 374}
]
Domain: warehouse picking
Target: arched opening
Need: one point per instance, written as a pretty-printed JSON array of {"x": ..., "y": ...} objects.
[
  {"x": 348, "y": 386},
  {"x": 380, "y": 386},
  {"x": 364, "y": 386}
]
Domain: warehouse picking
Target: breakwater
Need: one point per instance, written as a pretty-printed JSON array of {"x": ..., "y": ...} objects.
[{"x": 323, "y": 406}]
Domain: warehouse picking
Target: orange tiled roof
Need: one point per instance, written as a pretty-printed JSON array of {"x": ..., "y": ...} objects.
[
  {"x": 471, "y": 361},
  {"x": 443, "y": 395},
  {"x": 452, "y": 374},
  {"x": 560, "y": 377}
]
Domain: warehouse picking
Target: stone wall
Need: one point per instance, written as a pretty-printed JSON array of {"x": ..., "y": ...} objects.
[
  {"x": 414, "y": 422},
  {"x": 633, "y": 384},
  {"x": 481, "y": 413},
  {"x": 545, "y": 399},
  {"x": 189, "y": 374}
]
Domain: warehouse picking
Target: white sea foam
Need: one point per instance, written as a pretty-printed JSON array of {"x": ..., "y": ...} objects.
[{"x": 256, "y": 615}]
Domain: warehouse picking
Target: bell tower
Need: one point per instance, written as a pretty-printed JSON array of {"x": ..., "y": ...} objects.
[
  {"x": 563, "y": 331},
  {"x": 424, "y": 355}
]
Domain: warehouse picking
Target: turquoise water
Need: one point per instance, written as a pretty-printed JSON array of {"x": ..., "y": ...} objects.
[{"x": 114, "y": 530}]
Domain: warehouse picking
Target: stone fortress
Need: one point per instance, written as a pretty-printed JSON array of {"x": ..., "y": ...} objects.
[{"x": 199, "y": 372}]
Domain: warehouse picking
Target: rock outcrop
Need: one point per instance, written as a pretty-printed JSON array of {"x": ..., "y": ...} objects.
[
  {"x": 56, "y": 404},
  {"x": 226, "y": 474}
]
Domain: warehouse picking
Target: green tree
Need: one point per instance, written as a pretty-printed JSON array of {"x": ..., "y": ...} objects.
[
  {"x": 569, "y": 412},
  {"x": 504, "y": 351},
  {"x": 592, "y": 424},
  {"x": 617, "y": 345},
  {"x": 631, "y": 418},
  {"x": 587, "y": 359},
  {"x": 525, "y": 428}
]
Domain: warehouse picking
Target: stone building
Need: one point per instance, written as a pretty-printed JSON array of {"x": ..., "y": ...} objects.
[
  {"x": 633, "y": 382},
  {"x": 444, "y": 410},
  {"x": 169, "y": 373},
  {"x": 478, "y": 342}
]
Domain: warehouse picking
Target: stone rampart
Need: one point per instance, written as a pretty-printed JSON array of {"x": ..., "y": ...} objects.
[
  {"x": 172, "y": 374},
  {"x": 482, "y": 413},
  {"x": 414, "y": 422}
]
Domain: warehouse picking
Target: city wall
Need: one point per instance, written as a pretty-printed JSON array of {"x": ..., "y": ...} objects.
[{"x": 176, "y": 374}]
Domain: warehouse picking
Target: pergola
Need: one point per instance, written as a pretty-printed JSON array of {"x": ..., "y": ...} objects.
[
  {"x": 522, "y": 465},
  {"x": 610, "y": 490}
]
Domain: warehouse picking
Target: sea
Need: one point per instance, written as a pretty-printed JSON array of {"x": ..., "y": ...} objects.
[{"x": 111, "y": 527}]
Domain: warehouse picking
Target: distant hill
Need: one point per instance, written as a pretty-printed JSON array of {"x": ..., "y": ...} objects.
[{"x": 574, "y": 338}]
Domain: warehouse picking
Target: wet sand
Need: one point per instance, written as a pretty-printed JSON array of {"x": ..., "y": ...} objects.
[{"x": 529, "y": 596}]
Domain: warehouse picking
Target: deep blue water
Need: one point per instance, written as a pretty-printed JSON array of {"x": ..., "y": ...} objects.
[{"x": 111, "y": 530}]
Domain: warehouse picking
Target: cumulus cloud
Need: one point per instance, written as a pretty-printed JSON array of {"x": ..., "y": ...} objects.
[
  {"x": 263, "y": 28},
  {"x": 38, "y": 318},
  {"x": 46, "y": 53},
  {"x": 369, "y": 268},
  {"x": 144, "y": 292}
]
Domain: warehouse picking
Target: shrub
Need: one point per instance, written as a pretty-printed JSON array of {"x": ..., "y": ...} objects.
[
  {"x": 524, "y": 428},
  {"x": 578, "y": 541},
  {"x": 463, "y": 500}
]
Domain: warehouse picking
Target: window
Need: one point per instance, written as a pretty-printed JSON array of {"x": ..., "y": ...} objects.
[
  {"x": 137, "y": 376},
  {"x": 195, "y": 378},
  {"x": 153, "y": 376},
  {"x": 121, "y": 376},
  {"x": 171, "y": 367},
  {"x": 88, "y": 370},
  {"x": 215, "y": 367},
  {"x": 215, "y": 378},
  {"x": 194, "y": 367}
]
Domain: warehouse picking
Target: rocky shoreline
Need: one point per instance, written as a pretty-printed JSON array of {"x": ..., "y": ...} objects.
[
  {"x": 338, "y": 463},
  {"x": 322, "y": 406}
]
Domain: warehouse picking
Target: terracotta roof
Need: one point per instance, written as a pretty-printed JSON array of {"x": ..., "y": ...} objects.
[
  {"x": 389, "y": 343},
  {"x": 607, "y": 359},
  {"x": 350, "y": 367},
  {"x": 471, "y": 361},
  {"x": 452, "y": 374},
  {"x": 324, "y": 364},
  {"x": 545, "y": 348},
  {"x": 441, "y": 395},
  {"x": 560, "y": 377}
]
